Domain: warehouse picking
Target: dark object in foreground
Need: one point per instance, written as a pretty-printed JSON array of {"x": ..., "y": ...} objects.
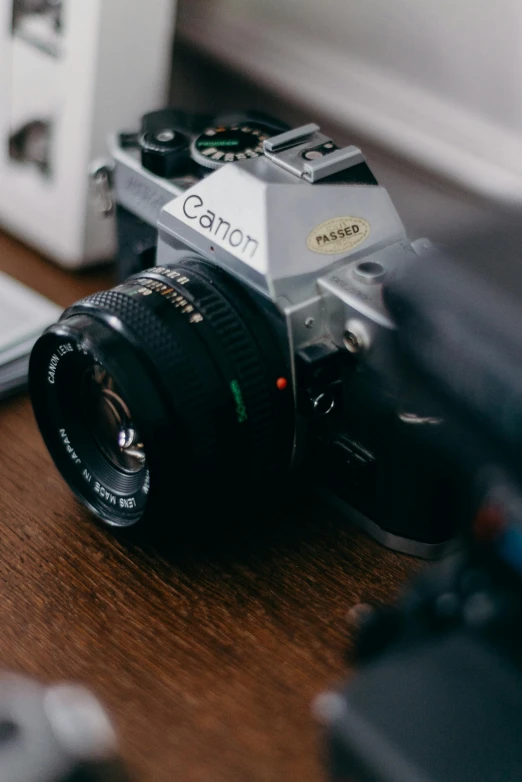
[{"x": 438, "y": 695}]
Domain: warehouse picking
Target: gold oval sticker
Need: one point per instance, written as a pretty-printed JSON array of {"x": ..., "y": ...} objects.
[{"x": 338, "y": 235}]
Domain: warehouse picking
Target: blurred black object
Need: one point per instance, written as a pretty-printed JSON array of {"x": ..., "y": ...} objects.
[
  {"x": 438, "y": 694},
  {"x": 54, "y": 734}
]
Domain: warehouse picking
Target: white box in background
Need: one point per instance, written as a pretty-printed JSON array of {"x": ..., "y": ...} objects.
[{"x": 72, "y": 71}]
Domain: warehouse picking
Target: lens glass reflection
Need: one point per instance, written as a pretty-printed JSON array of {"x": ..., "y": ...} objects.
[{"x": 110, "y": 420}]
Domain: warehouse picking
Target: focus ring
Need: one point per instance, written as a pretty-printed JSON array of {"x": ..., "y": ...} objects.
[
  {"x": 170, "y": 360},
  {"x": 241, "y": 346}
]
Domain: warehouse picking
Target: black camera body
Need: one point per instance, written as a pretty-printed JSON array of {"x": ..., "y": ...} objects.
[{"x": 250, "y": 344}]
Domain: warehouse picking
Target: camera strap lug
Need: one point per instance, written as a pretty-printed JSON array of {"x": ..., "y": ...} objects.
[{"x": 101, "y": 178}]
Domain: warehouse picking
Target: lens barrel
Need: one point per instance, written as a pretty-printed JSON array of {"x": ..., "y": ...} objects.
[{"x": 162, "y": 395}]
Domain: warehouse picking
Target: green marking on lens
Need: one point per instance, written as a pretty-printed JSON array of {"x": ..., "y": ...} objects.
[{"x": 240, "y": 404}]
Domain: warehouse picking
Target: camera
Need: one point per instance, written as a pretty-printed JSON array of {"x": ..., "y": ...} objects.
[
  {"x": 438, "y": 690},
  {"x": 251, "y": 353}
]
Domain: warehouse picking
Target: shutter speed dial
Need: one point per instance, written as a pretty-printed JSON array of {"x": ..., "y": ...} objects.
[{"x": 220, "y": 145}]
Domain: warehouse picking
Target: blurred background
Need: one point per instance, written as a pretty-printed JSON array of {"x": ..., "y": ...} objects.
[
  {"x": 429, "y": 90},
  {"x": 437, "y": 80}
]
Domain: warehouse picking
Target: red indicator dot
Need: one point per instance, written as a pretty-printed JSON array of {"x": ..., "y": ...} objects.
[
  {"x": 281, "y": 383},
  {"x": 489, "y": 523}
]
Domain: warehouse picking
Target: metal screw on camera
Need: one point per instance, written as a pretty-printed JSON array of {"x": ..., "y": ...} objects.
[
  {"x": 355, "y": 337},
  {"x": 101, "y": 178}
]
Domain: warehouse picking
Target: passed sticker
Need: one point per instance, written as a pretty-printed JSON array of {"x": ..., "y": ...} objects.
[{"x": 338, "y": 235}]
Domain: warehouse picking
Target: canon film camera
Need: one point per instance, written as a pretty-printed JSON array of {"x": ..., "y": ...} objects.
[
  {"x": 254, "y": 348},
  {"x": 438, "y": 693}
]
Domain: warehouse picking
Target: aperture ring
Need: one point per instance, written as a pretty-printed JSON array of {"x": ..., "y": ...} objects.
[{"x": 242, "y": 348}]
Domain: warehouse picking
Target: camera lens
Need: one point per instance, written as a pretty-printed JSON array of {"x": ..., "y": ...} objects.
[
  {"x": 165, "y": 394},
  {"x": 110, "y": 420}
]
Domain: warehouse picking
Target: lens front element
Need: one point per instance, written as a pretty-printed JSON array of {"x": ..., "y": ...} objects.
[
  {"x": 86, "y": 419},
  {"x": 109, "y": 419},
  {"x": 164, "y": 395}
]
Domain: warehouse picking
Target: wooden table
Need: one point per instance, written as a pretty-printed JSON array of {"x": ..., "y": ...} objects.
[{"x": 207, "y": 660}]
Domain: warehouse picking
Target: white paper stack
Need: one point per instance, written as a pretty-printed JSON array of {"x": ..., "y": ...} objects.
[{"x": 24, "y": 314}]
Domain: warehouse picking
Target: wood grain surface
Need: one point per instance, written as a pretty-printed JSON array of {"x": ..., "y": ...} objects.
[{"x": 207, "y": 659}]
